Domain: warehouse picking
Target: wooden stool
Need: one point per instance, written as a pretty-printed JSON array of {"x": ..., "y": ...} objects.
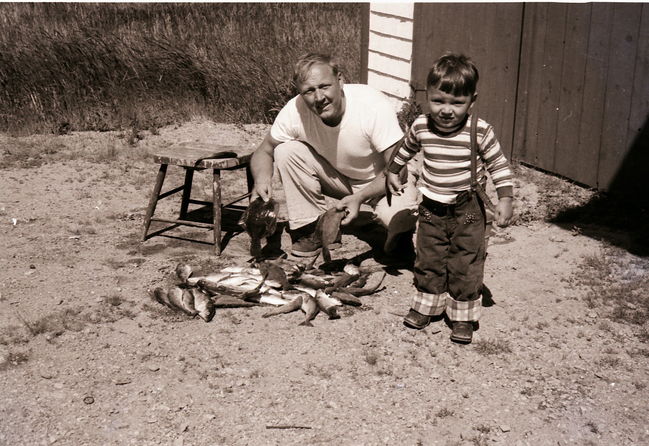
[{"x": 192, "y": 157}]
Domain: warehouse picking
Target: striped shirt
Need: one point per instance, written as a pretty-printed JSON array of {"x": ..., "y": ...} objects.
[{"x": 446, "y": 169}]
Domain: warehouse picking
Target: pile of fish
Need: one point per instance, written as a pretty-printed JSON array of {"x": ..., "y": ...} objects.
[{"x": 286, "y": 285}]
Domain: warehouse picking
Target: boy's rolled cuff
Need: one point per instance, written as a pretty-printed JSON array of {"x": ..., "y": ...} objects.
[
  {"x": 394, "y": 167},
  {"x": 464, "y": 311},
  {"x": 429, "y": 304},
  {"x": 505, "y": 191}
]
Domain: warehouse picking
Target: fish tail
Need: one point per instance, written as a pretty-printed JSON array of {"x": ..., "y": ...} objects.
[
  {"x": 255, "y": 248},
  {"x": 326, "y": 254}
]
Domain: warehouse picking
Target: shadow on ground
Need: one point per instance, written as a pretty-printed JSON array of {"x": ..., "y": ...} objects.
[{"x": 611, "y": 219}]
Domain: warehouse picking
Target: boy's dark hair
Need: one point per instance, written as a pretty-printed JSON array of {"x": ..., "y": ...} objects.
[
  {"x": 306, "y": 61},
  {"x": 454, "y": 74}
]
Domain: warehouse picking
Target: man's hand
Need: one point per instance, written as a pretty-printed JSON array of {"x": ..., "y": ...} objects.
[
  {"x": 261, "y": 168},
  {"x": 394, "y": 184},
  {"x": 263, "y": 190},
  {"x": 504, "y": 211},
  {"x": 351, "y": 204}
]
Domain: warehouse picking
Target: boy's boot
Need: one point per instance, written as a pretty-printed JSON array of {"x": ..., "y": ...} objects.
[
  {"x": 462, "y": 332},
  {"x": 416, "y": 320}
]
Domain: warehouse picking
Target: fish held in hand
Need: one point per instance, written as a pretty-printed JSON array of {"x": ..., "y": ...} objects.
[
  {"x": 328, "y": 229},
  {"x": 260, "y": 221}
]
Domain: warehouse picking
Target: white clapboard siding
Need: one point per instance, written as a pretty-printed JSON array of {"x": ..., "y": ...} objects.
[{"x": 390, "y": 49}]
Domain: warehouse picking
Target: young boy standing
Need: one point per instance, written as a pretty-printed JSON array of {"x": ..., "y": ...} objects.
[{"x": 451, "y": 247}]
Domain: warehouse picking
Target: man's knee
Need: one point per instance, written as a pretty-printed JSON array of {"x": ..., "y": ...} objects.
[{"x": 288, "y": 151}]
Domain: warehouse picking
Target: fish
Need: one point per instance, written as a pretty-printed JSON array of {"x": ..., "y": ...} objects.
[
  {"x": 315, "y": 282},
  {"x": 274, "y": 274},
  {"x": 288, "y": 307},
  {"x": 352, "y": 269},
  {"x": 341, "y": 281},
  {"x": 235, "y": 285},
  {"x": 241, "y": 270},
  {"x": 267, "y": 298},
  {"x": 175, "y": 296},
  {"x": 260, "y": 221},
  {"x": 212, "y": 277},
  {"x": 328, "y": 229},
  {"x": 232, "y": 302},
  {"x": 160, "y": 295},
  {"x": 357, "y": 291},
  {"x": 346, "y": 298},
  {"x": 310, "y": 308},
  {"x": 188, "y": 302},
  {"x": 183, "y": 271},
  {"x": 203, "y": 305},
  {"x": 328, "y": 304}
]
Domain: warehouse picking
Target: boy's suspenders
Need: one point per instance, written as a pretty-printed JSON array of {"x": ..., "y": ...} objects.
[{"x": 475, "y": 186}]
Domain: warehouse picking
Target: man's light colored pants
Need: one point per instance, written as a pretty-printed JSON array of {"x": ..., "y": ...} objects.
[{"x": 308, "y": 178}]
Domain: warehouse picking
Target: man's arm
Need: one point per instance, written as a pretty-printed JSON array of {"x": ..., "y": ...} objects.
[
  {"x": 376, "y": 188},
  {"x": 261, "y": 167}
]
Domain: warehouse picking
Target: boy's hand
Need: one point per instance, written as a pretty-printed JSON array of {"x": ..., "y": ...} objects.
[
  {"x": 504, "y": 211},
  {"x": 395, "y": 187}
]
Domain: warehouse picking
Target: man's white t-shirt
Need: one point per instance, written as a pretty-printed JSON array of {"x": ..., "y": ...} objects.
[{"x": 354, "y": 147}]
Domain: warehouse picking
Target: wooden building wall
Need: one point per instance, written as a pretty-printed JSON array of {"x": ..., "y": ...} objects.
[
  {"x": 489, "y": 33},
  {"x": 566, "y": 85},
  {"x": 584, "y": 88},
  {"x": 389, "y": 49}
]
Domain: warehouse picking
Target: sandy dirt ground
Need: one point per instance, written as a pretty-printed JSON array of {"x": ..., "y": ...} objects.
[{"x": 88, "y": 358}]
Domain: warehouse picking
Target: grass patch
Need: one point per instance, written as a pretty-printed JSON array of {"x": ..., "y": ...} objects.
[
  {"x": 82, "y": 66},
  {"x": 489, "y": 347},
  {"x": 14, "y": 359},
  {"x": 618, "y": 282},
  {"x": 444, "y": 412}
]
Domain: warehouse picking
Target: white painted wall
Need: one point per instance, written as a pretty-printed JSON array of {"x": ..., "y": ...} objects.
[{"x": 389, "y": 57}]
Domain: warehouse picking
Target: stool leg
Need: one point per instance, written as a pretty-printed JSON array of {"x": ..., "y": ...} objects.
[
  {"x": 216, "y": 204},
  {"x": 153, "y": 201},
  {"x": 187, "y": 192}
]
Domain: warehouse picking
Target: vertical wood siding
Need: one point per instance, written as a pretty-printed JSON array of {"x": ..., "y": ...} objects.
[
  {"x": 490, "y": 35},
  {"x": 566, "y": 85},
  {"x": 390, "y": 49},
  {"x": 583, "y": 95}
]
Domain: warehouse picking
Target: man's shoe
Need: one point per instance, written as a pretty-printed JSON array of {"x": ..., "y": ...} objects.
[
  {"x": 416, "y": 320},
  {"x": 462, "y": 332},
  {"x": 306, "y": 243}
]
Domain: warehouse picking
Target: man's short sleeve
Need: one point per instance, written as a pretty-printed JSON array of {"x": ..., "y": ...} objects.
[
  {"x": 384, "y": 128},
  {"x": 283, "y": 128}
]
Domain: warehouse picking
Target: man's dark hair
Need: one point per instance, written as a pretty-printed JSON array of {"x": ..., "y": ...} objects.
[{"x": 454, "y": 74}]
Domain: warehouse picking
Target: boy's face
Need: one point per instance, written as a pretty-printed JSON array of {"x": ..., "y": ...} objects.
[{"x": 447, "y": 110}]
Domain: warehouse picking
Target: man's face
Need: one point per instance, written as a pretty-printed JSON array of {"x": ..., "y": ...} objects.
[
  {"x": 323, "y": 93},
  {"x": 447, "y": 110}
]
